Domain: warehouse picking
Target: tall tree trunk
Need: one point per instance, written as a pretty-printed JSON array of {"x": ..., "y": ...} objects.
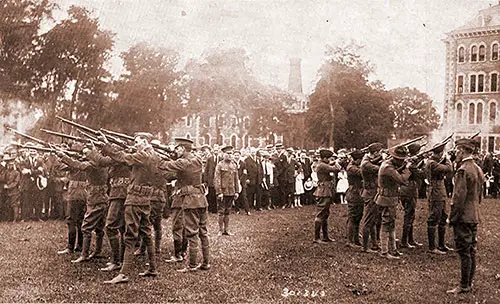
[{"x": 74, "y": 96}]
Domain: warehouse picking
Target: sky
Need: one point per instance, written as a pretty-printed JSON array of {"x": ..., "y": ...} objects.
[{"x": 401, "y": 38}]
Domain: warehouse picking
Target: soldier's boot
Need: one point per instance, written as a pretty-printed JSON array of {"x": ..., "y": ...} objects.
[
  {"x": 441, "y": 243},
  {"x": 71, "y": 239},
  {"x": 184, "y": 246},
  {"x": 404, "y": 238},
  {"x": 356, "y": 235},
  {"x": 392, "y": 244},
  {"x": 411, "y": 240},
  {"x": 151, "y": 257},
  {"x": 17, "y": 215},
  {"x": 98, "y": 246},
  {"x": 141, "y": 250},
  {"x": 158, "y": 242},
  {"x": 221, "y": 224},
  {"x": 177, "y": 257},
  {"x": 79, "y": 232},
  {"x": 114, "y": 243},
  {"x": 226, "y": 225},
  {"x": 350, "y": 231},
  {"x": 431, "y": 235},
  {"x": 317, "y": 230},
  {"x": 324, "y": 226},
  {"x": 87, "y": 241},
  {"x": 205, "y": 251},
  {"x": 384, "y": 242}
]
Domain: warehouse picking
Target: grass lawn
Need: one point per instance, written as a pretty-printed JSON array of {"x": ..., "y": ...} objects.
[{"x": 270, "y": 255}]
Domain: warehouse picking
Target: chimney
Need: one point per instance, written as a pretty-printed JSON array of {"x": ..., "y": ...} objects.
[{"x": 295, "y": 78}]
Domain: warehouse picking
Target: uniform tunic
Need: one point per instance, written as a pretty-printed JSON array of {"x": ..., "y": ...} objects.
[{"x": 464, "y": 216}]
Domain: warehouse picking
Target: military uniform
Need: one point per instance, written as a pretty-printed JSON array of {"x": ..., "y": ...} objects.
[
  {"x": 355, "y": 202},
  {"x": 119, "y": 179},
  {"x": 97, "y": 207},
  {"x": 76, "y": 197},
  {"x": 137, "y": 206},
  {"x": 189, "y": 198},
  {"x": 227, "y": 184},
  {"x": 389, "y": 180},
  {"x": 158, "y": 202},
  {"x": 371, "y": 215},
  {"x": 408, "y": 194},
  {"x": 324, "y": 196},
  {"x": 436, "y": 194},
  {"x": 464, "y": 215}
]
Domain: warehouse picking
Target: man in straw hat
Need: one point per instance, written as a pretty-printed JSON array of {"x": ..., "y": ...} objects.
[
  {"x": 392, "y": 174},
  {"x": 464, "y": 215}
]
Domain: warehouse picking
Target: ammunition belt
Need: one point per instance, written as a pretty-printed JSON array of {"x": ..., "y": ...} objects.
[{"x": 388, "y": 192}]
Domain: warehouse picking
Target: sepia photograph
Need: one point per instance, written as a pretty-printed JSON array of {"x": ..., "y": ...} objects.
[{"x": 249, "y": 151}]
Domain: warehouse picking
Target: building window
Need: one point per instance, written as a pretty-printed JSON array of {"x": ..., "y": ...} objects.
[
  {"x": 472, "y": 83},
  {"x": 491, "y": 144},
  {"x": 207, "y": 139},
  {"x": 233, "y": 141},
  {"x": 459, "y": 113},
  {"x": 494, "y": 51},
  {"x": 189, "y": 121},
  {"x": 479, "y": 113},
  {"x": 494, "y": 82},
  {"x": 493, "y": 112},
  {"x": 461, "y": 54},
  {"x": 482, "y": 53},
  {"x": 473, "y": 53},
  {"x": 480, "y": 83},
  {"x": 460, "y": 84},
  {"x": 472, "y": 113},
  {"x": 188, "y": 136}
]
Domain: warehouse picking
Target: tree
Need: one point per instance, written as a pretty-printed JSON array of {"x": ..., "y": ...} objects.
[
  {"x": 221, "y": 86},
  {"x": 70, "y": 68},
  {"x": 414, "y": 114},
  {"x": 150, "y": 93},
  {"x": 345, "y": 109},
  {"x": 19, "y": 26}
]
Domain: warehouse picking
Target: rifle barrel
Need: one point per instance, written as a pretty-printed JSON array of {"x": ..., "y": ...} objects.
[
  {"x": 28, "y": 136},
  {"x": 77, "y": 125}
]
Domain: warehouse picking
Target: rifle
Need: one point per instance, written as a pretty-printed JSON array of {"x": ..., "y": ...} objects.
[
  {"x": 67, "y": 136},
  {"x": 407, "y": 143},
  {"x": 111, "y": 139},
  {"x": 426, "y": 151},
  {"x": 42, "y": 142},
  {"x": 474, "y": 135},
  {"x": 131, "y": 138},
  {"x": 78, "y": 126},
  {"x": 50, "y": 150},
  {"x": 117, "y": 134}
]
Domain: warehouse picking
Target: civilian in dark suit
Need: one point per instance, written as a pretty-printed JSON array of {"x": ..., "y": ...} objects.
[
  {"x": 286, "y": 177},
  {"x": 254, "y": 178},
  {"x": 241, "y": 202},
  {"x": 208, "y": 178}
]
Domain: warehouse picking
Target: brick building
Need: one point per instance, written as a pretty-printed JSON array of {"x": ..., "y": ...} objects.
[
  {"x": 472, "y": 91},
  {"x": 233, "y": 124}
]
